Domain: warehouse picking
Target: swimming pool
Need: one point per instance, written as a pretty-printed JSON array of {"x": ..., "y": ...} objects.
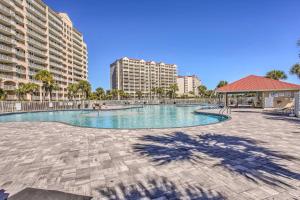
[{"x": 155, "y": 116}]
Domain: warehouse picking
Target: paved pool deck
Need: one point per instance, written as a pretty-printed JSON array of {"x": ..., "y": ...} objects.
[{"x": 252, "y": 156}]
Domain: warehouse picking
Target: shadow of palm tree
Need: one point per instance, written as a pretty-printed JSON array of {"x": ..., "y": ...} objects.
[
  {"x": 158, "y": 188},
  {"x": 281, "y": 117},
  {"x": 236, "y": 154}
]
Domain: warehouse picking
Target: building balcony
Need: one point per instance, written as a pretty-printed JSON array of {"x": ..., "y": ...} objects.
[
  {"x": 56, "y": 39},
  {"x": 53, "y": 17},
  {"x": 56, "y": 59},
  {"x": 78, "y": 63},
  {"x": 7, "y": 59},
  {"x": 37, "y": 36},
  {"x": 36, "y": 20},
  {"x": 6, "y": 68},
  {"x": 37, "y": 5},
  {"x": 53, "y": 64},
  {"x": 55, "y": 71},
  {"x": 6, "y": 10},
  {"x": 37, "y": 59},
  {"x": 11, "y": 97},
  {"x": 77, "y": 52},
  {"x": 7, "y": 20},
  {"x": 57, "y": 78},
  {"x": 36, "y": 13},
  {"x": 38, "y": 52},
  {"x": 6, "y": 39},
  {"x": 20, "y": 54},
  {"x": 36, "y": 66},
  {"x": 6, "y": 49},
  {"x": 37, "y": 44},
  {"x": 7, "y": 77},
  {"x": 19, "y": 2},
  {"x": 37, "y": 28},
  {"x": 20, "y": 37},
  {"x": 79, "y": 48},
  {"x": 19, "y": 19},
  {"x": 32, "y": 73},
  {"x": 35, "y": 98},
  {"x": 6, "y": 30},
  {"x": 52, "y": 24},
  {"x": 21, "y": 71},
  {"x": 9, "y": 87},
  {"x": 56, "y": 52},
  {"x": 77, "y": 58},
  {"x": 55, "y": 45}
]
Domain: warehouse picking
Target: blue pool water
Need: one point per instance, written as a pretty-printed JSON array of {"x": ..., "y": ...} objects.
[{"x": 157, "y": 116}]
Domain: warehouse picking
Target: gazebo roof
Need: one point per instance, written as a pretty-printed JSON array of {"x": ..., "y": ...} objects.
[{"x": 254, "y": 83}]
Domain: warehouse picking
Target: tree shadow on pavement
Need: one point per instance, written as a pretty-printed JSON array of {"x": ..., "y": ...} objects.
[
  {"x": 161, "y": 188},
  {"x": 239, "y": 155}
]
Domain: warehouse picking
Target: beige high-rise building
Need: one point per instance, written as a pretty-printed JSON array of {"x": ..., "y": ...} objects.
[
  {"x": 188, "y": 85},
  {"x": 33, "y": 37},
  {"x": 131, "y": 75}
]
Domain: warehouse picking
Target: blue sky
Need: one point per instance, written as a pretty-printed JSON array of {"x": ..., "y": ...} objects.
[{"x": 214, "y": 39}]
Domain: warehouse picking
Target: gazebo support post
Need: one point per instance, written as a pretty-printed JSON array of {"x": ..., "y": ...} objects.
[{"x": 226, "y": 99}]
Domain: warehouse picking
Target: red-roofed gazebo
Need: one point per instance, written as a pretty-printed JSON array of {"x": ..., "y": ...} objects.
[{"x": 269, "y": 92}]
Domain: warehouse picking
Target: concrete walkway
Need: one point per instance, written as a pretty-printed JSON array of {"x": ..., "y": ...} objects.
[{"x": 251, "y": 156}]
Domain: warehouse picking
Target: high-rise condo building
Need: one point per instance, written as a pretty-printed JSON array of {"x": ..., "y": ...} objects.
[
  {"x": 132, "y": 75},
  {"x": 188, "y": 85},
  {"x": 33, "y": 37}
]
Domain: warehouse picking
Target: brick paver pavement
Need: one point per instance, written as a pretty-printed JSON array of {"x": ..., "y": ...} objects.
[{"x": 251, "y": 156}]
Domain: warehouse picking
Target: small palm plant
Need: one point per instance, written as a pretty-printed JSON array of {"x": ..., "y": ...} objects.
[
  {"x": 295, "y": 70},
  {"x": 31, "y": 88},
  {"x": 47, "y": 79},
  {"x": 72, "y": 90},
  {"x": 202, "y": 90},
  {"x": 139, "y": 94},
  {"x": 2, "y": 94},
  {"x": 160, "y": 91},
  {"x": 172, "y": 90},
  {"x": 276, "y": 75},
  {"x": 85, "y": 88},
  {"x": 100, "y": 93}
]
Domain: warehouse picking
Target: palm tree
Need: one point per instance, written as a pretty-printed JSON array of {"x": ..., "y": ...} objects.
[
  {"x": 126, "y": 95},
  {"x": 99, "y": 93},
  {"x": 295, "y": 70},
  {"x": 72, "y": 90},
  {"x": 31, "y": 88},
  {"x": 153, "y": 90},
  {"x": 202, "y": 90},
  {"x": 172, "y": 90},
  {"x": 2, "y": 94},
  {"x": 47, "y": 79},
  {"x": 20, "y": 92},
  {"x": 121, "y": 94},
  {"x": 51, "y": 87},
  {"x": 160, "y": 91},
  {"x": 276, "y": 75},
  {"x": 85, "y": 88},
  {"x": 222, "y": 83},
  {"x": 192, "y": 93},
  {"x": 139, "y": 94},
  {"x": 114, "y": 93}
]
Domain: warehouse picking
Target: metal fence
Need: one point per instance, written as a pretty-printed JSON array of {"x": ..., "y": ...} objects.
[{"x": 26, "y": 106}]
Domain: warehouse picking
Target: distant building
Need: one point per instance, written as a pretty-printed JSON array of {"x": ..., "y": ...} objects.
[
  {"x": 188, "y": 85},
  {"x": 132, "y": 75}
]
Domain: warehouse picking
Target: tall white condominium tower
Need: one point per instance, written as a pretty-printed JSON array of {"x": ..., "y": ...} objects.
[
  {"x": 132, "y": 75},
  {"x": 33, "y": 37},
  {"x": 188, "y": 85}
]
